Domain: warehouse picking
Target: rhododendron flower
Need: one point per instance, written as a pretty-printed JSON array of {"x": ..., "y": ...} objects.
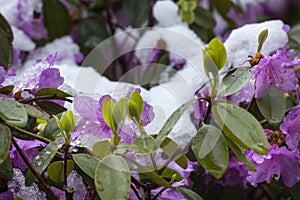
[
  {"x": 92, "y": 119},
  {"x": 277, "y": 70},
  {"x": 278, "y": 163},
  {"x": 291, "y": 127}
]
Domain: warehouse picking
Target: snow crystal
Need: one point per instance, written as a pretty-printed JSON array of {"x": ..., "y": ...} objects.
[
  {"x": 75, "y": 181},
  {"x": 17, "y": 187},
  {"x": 22, "y": 41}
]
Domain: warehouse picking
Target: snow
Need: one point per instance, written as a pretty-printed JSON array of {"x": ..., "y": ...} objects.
[
  {"x": 166, "y": 13},
  {"x": 65, "y": 47},
  {"x": 243, "y": 41},
  {"x": 22, "y": 41}
]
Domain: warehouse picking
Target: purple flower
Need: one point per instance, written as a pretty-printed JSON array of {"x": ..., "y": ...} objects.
[
  {"x": 30, "y": 149},
  {"x": 92, "y": 119},
  {"x": 244, "y": 95},
  {"x": 169, "y": 194},
  {"x": 291, "y": 127},
  {"x": 279, "y": 162},
  {"x": 50, "y": 78},
  {"x": 276, "y": 70}
]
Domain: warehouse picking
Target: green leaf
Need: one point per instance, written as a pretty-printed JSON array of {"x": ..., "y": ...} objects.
[
  {"x": 204, "y": 18},
  {"x": 169, "y": 147},
  {"x": 17, "y": 197},
  {"x": 52, "y": 91},
  {"x": 56, "y": 170},
  {"x": 56, "y": 19},
  {"x": 143, "y": 145},
  {"x": 6, "y": 51},
  {"x": 232, "y": 84},
  {"x": 91, "y": 31},
  {"x": 149, "y": 172},
  {"x": 107, "y": 112},
  {"x": 5, "y": 28},
  {"x": 6, "y": 89},
  {"x": 102, "y": 148},
  {"x": 223, "y": 7},
  {"x": 13, "y": 112},
  {"x": 34, "y": 112},
  {"x": 171, "y": 121},
  {"x": 262, "y": 38},
  {"x": 188, "y": 194},
  {"x": 51, "y": 130},
  {"x": 67, "y": 121},
  {"x": 272, "y": 106},
  {"x": 112, "y": 178},
  {"x": 240, "y": 126},
  {"x": 86, "y": 163},
  {"x": 50, "y": 107},
  {"x": 136, "y": 105},
  {"x": 120, "y": 110},
  {"x": 6, "y": 168},
  {"x": 168, "y": 174},
  {"x": 240, "y": 154},
  {"x": 5, "y": 139},
  {"x": 136, "y": 12},
  {"x": 41, "y": 162},
  {"x": 217, "y": 52},
  {"x": 215, "y": 158}
]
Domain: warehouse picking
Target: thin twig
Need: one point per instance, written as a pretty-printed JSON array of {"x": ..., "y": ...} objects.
[
  {"x": 34, "y": 172},
  {"x": 135, "y": 191},
  {"x": 68, "y": 193},
  {"x": 40, "y": 138}
]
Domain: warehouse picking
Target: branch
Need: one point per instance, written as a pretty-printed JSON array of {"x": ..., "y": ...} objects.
[{"x": 34, "y": 172}]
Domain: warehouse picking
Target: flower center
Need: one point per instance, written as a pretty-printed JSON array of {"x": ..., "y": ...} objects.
[{"x": 277, "y": 137}]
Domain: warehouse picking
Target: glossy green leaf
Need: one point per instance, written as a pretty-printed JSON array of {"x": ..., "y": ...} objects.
[
  {"x": 143, "y": 144},
  {"x": 189, "y": 194},
  {"x": 67, "y": 121},
  {"x": 56, "y": 170},
  {"x": 210, "y": 66},
  {"x": 136, "y": 12},
  {"x": 102, "y": 148},
  {"x": 272, "y": 106},
  {"x": 168, "y": 173},
  {"x": 261, "y": 39},
  {"x": 240, "y": 126},
  {"x": 6, "y": 51},
  {"x": 107, "y": 112},
  {"x": 50, "y": 107},
  {"x": 120, "y": 110},
  {"x": 13, "y": 112},
  {"x": 51, "y": 130},
  {"x": 232, "y": 84},
  {"x": 41, "y": 162},
  {"x": 217, "y": 52},
  {"x": 169, "y": 147},
  {"x": 6, "y": 89},
  {"x": 34, "y": 112},
  {"x": 5, "y": 139},
  {"x": 112, "y": 178},
  {"x": 56, "y": 19},
  {"x": 5, "y": 28},
  {"x": 215, "y": 158},
  {"x": 204, "y": 18},
  {"x": 240, "y": 154},
  {"x": 171, "y": 121},
  {"x": 52, "y": 91},
  {"x": 136, "y": 105},
  {"x": 6, "y": 168},
  {"x": 86, "y": 163}
]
